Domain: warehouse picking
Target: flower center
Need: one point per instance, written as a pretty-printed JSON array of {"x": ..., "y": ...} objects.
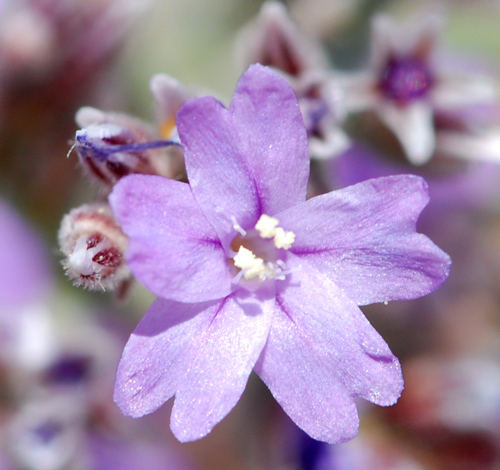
[
  {"x": 259, "y": 253},
  {"x": 405, "y": 79}
]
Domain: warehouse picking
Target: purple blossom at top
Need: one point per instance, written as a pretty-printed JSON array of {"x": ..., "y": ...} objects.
[{"x": 251, "y": 276}]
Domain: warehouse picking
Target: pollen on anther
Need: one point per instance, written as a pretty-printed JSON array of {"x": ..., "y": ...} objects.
[
  {"x": 266, "y": 226},
  {"x": 251, "y": 265},
  {"x": 283, "y": 239}
]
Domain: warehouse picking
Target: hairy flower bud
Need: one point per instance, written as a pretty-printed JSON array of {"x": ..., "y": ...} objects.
[
  {"x": 94, "y": 244},
  {"x": 111, "y": 146}
]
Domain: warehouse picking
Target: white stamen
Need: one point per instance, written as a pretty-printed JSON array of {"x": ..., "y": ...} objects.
[
  {"x": 70, "y": 150},
  {"x": 254, "y": 267},
  {"x": 283, "y": 239},
  {"x": 274, "y": 269},
  {"x": 251, "y": 265},
  {"x": 238, "y": 227},
  {"x": 281, "y": 263},
  {"x": 266, "y": 226},
  {"x": 286, "y": 272},
  {"x": 238, "y": 277}
]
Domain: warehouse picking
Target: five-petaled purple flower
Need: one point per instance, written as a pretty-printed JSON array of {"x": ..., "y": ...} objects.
[{"x": 251, "y": 276}]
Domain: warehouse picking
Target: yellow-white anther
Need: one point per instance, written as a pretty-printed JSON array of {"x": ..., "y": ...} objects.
[
  {"x": 252, "y": 265},
  {"x": 283, "y": 239},
  {"x": 267, "y": 227}
]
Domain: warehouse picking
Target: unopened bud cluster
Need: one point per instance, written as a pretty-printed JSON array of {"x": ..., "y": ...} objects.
[
  {"x": 111, "y": 146},
  {"x": 94, "y": 246}
]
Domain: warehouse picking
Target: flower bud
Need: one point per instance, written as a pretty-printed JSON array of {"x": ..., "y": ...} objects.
[
  {"x": 94, "y": 245},
  {"x": 111, "y": 146}
]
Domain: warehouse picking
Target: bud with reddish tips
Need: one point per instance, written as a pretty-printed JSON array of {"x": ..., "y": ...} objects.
[
  {"x": 111, "y": 146},
  {"x": 94, "y": 245}
]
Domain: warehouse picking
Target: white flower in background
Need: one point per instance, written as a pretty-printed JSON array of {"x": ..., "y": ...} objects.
[
  {"x": 273, "y": 39},
  {"x": 407, "y": 83}
]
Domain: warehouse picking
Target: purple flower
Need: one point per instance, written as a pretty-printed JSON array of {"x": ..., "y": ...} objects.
[{"x": 251, "y": 276}]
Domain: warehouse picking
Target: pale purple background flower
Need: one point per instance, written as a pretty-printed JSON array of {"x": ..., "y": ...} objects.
[
  {"x": 297, "y": 324},
  {"x": 57, "y": 366},
  {"x": 25, "y": 270},
  {"x": 408, "y": 83}
]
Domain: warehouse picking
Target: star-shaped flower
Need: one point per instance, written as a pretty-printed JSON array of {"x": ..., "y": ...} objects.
[
  {"x": 273, "y": 39},
  {"x": 408, "y": 82},
  {"x": 251, "y": 276}
]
